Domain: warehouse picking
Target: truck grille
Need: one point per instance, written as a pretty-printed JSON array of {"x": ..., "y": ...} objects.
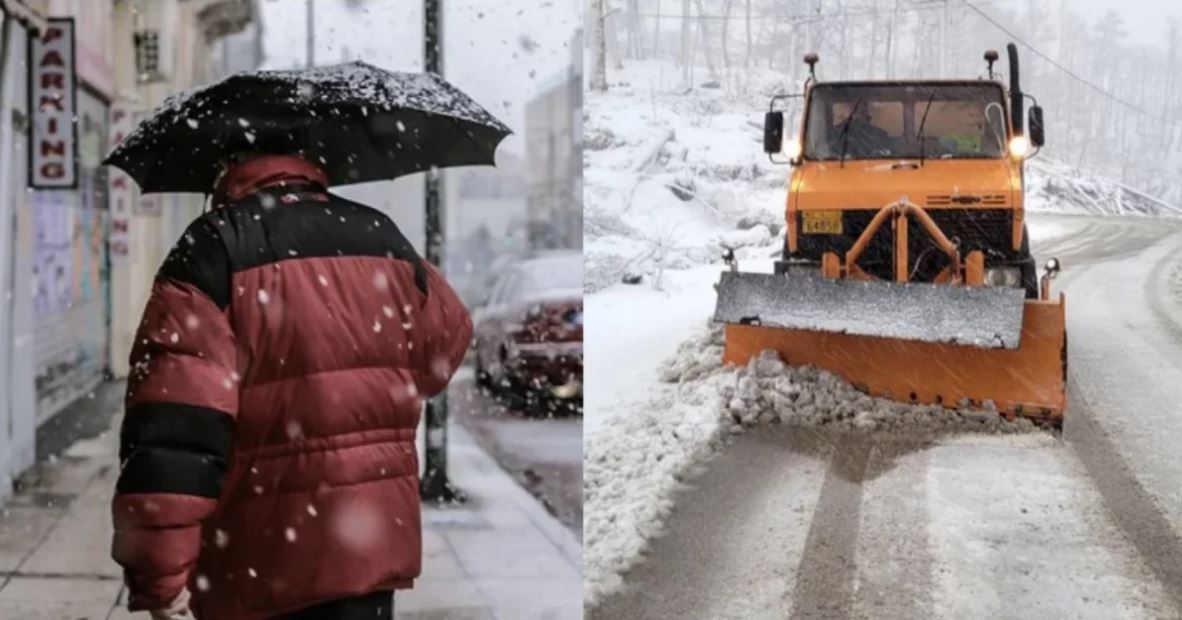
[
  {"x": 988, "y": 230},
  {"x": 948, "y": 200}
]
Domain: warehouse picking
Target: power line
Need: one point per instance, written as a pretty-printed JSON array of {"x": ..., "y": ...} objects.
[
  {"x": 1092, "y": 85},
  {"x": 929, "y": 5}
]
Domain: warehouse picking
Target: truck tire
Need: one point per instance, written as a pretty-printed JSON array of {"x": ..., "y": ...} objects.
[{"x": 1029, "y": 271}]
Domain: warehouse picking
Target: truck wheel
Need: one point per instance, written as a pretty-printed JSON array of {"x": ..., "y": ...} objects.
[{"x": 1029, "y": 271}]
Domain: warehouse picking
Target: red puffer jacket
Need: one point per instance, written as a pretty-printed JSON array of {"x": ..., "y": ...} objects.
[{"x": 278, "y": 374}]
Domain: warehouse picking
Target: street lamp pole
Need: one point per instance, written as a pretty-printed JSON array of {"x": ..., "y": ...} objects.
[{"x": 435, "y": 485}]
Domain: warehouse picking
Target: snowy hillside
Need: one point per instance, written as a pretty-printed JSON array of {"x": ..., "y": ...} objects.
[{"x": 671, "y": 176}]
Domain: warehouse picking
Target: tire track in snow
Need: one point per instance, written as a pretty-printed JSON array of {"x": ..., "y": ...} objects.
[
  {"x": 829, "y": 584},
  {"x": 825, "y": 578}
]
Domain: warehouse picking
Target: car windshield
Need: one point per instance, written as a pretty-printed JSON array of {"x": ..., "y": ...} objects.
[
  {"x": 889, "y": 121},
  {"x": 558, "y": 274}
]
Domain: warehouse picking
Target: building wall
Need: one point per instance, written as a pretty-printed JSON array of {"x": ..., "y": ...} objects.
[
  {"x": 70, "y": 276},
  {"x": 17, "y": 396},
  {"x": 554, "y": 158}
]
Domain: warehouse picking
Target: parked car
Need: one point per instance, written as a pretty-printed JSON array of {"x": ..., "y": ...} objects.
[{"x": 529, "y": 335}]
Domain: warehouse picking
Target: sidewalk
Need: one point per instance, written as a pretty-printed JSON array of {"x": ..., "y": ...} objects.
[{"x": 500, "y": 556}]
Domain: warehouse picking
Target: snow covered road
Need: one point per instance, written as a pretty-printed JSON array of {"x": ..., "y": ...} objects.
[{"x": 805, "y": 524}]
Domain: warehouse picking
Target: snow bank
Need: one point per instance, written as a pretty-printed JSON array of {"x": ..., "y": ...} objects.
[{"x": 632, "y": 469}]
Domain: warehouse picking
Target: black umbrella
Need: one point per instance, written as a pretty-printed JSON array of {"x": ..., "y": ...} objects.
[{"x": 359, "y": 122}]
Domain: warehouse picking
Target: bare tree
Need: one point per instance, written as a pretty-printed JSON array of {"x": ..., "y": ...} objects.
[
  {"x": 747, "y": 57},
  {"x": 685, "y": 34},
  {"x": 598, "y": 46},
  {"x": 704, "y": 41},
  {"x": 635, "y": 42},
  {"x": 726, "y": 21}
]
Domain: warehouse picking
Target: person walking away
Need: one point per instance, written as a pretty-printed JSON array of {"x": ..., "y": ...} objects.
[{"x": 268, "y": 447}]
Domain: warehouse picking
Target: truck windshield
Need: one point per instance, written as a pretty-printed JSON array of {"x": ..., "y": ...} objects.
[{"x": 883, "y": 121}]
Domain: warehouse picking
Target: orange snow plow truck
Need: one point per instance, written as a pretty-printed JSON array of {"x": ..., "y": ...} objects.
[{"x": 906, "y": 266}]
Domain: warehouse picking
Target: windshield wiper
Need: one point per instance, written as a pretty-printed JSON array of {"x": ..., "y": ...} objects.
[
  {"x": 845, "y": 130},
  {"x": 922, "y": 121}
]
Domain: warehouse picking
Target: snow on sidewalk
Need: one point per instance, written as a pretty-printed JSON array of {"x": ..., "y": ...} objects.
[{"x": 499, "y": 556}]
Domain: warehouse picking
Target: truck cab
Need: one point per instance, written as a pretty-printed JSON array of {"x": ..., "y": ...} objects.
[{"x": 953, "y": 147}]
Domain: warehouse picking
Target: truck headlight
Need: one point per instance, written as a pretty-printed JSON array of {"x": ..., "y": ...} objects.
[
  {"x": 1003, "y": 276},
  {"x": 1019, "y": 147},
  {"x": 792, "y": 147}
]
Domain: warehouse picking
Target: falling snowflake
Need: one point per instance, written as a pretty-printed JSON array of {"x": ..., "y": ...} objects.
[
  {"x": 263, "y": 296},
  {"x": 202, "y": 583},
  {"x": 388, "y": 311},
  {"x": 221, "y": 538},
  {"x": 290, "y": 534}
]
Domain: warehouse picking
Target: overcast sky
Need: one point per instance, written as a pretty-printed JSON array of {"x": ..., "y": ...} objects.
[
  {"x": 1145, "y": 20},
  {"x": 497, "y": 51}
]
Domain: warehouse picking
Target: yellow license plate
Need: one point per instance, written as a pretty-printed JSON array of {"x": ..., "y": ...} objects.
[{"x": 821, "y": 222}]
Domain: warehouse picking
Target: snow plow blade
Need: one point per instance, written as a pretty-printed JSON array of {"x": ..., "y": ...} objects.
[
  {"x": 1023, "y": 375},
  {"x": 978, "y": 316}
]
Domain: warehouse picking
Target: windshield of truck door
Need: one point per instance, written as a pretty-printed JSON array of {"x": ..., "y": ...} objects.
[{"x": 891, "y": 121}]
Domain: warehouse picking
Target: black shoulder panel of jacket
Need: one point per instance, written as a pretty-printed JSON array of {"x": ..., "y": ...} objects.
[
  {"x": 293, "y": 222},
  {"x": 199, "y": 258}
]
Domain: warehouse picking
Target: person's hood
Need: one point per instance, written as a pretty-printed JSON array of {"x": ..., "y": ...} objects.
[{"x": 245, "y": 178}]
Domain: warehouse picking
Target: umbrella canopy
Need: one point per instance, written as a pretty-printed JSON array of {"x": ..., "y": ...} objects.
[{"x": 360, "y": 123}]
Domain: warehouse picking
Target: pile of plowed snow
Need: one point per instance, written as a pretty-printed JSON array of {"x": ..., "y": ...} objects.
[
  {"x": 632, "y": 473},
  {"x": 768, "y": 391}
]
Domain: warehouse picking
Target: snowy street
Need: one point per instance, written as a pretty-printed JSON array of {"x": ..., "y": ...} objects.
[
  {"x": 543, "y": 452},
  {"x": 785, "y": 522}
]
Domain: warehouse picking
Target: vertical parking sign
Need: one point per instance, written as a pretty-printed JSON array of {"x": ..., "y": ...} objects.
[
  {"x": 53, "y": 83},
  {"x": 120, "y": 189}
]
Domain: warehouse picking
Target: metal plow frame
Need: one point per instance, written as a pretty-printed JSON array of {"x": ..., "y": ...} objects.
[{"x": 1029, "y": 381}]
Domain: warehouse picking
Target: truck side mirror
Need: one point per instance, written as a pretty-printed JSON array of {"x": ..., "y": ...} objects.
[
  {"x": 1037, "y": 135},
  {"x": 773, "y": 132}
]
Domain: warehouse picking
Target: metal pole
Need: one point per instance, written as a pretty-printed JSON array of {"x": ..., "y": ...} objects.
[
  {"x": 310, "y": 53},
  {"x": 435, "y": 485}
]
